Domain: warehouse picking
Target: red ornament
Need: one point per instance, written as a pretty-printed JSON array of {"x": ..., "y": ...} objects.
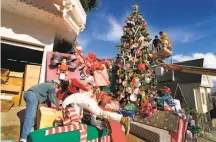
[
  {"x": 139, "y": 52},
  {"x": 141, "y": 67}
]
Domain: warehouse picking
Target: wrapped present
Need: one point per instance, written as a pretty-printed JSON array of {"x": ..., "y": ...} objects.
[
  {"x": 101, "y": 77},
  {"x": 179, "y": 136},
  {"x": 147, "y": 110},
  {"x": 189, "y": 136},
  {"x": 93, "y": 135},
  {"x": 46, "y": 116},
  {"x": 161, "y": 119},
  {"x": 167, "y": 107},
  {"x": 70, "y": 122}
]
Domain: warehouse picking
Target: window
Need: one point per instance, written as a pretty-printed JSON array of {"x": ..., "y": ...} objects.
[{"x": 203, "y": 97}]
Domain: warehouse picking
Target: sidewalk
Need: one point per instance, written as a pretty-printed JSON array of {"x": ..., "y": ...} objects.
[{"x": 208, "y": 136}]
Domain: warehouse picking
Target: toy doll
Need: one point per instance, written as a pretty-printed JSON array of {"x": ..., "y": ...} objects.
[{"x": 63, "y": 69}]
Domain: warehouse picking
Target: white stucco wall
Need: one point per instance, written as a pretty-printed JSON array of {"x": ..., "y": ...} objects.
[
  {"x": 203, "y": 97},
  {"x": 193, "y": 94},
  {"x": 20, "y": 28}
]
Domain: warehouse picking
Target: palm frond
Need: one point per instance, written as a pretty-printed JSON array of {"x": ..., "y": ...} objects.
[{"x": 89, "y": 5}]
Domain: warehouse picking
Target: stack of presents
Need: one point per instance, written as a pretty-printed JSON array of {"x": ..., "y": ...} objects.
[
  {"x": 53, "y": 125},
  {"x": 14, "y": 84},
  {"x": 165, "y": 116}
]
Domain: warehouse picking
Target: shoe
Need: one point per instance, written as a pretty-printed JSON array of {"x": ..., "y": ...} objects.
[
  {"x": 22, "y": 140},
  {"x": 125, "y": 121}
]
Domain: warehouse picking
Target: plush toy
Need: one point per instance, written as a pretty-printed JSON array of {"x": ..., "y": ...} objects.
[
  {"x": 62, "y": 69},
  {"x": 63, "y": 64}
]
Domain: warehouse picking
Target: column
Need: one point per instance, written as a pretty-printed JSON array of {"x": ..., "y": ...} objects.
[{"x": 47, "y": 48}]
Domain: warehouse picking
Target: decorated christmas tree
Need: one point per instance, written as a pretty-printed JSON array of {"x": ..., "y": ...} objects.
[{"x": 135, "y": 77}]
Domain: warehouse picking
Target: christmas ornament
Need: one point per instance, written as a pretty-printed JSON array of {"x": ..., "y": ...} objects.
[
  {"x": 126, "y": 66},
  {"x": 136, "y": 91},
  {"x": 137, "y": 84},
  {"x": 122, "y": 95},
  {"x": 141, "y": 67},
  {"x": 133, "y": 97},
  {"x": 139, "y": 52},
  {"x": 125, "y": 83},
  {"x": 129, "y": 90},
  {"x": 147, "y": 80}
]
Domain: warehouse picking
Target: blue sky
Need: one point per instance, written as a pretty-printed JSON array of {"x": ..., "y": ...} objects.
[{"x": 191, "y": 24}]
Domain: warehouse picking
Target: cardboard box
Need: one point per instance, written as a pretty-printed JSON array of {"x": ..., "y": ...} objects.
[
  {"x": 16, "y": 74},
  {"x": 14, "y": 90},
  {"x": 46, "y": 117},
  {"x": 15, "y": 81},
  {"x": 4, "y": 72},
  {"x": 32, "y": 75}
]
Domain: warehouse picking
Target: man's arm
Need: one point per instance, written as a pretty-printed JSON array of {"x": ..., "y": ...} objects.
[{"x": 52, "y": 97}]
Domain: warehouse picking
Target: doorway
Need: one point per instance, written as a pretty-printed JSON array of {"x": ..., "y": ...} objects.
[{"x": 15, "y": 58}]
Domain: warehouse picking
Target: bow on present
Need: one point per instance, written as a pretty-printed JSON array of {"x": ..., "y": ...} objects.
[
  {"x": 146, "y": 108},
  {"x": 71, "y": 121},
  {"x": 92, "y": 64},
  {"x": 57, "y": 59}
]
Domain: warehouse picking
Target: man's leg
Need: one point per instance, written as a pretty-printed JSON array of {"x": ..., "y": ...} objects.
[
  {"x": 92, "y": 106},
  {"x": 31, "y": 109}
]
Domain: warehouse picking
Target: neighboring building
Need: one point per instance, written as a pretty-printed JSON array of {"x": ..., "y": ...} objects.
[
  {"x": 196, "y": 88},
  {"x": 31, "y": 28}
]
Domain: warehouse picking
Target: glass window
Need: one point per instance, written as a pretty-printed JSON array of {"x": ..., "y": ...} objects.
[{"x": 203, "y": 97}]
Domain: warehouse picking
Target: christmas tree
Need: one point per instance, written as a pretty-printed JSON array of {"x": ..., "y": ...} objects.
[{"x": 135, "y": 77}]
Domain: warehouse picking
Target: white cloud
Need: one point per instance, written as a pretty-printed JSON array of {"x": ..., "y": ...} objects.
[
  {"x": 113, "y": 33},
  {"x": 209, "y": 60},
  {"x": 115, "y": 30},
  {"x": 83, "y": 41}
]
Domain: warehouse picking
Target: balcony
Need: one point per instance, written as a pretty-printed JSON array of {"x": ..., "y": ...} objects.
[{"x": 67, "y": 16}]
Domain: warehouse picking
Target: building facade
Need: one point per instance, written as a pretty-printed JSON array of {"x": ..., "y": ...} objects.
[
  {"x": 31, "y": 28},
  {"x": 195, "y": 88}
]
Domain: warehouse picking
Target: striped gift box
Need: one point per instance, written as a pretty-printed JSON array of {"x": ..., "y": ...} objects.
[{"x": 71, "y": 122}]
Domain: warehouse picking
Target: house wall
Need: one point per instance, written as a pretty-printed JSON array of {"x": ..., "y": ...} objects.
[
  {"x": 188, "y": 93},
  {"x": 196, "y": 96},
  {"x": 16, "y": 27}
]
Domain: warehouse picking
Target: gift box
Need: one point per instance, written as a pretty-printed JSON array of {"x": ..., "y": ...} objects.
[
  {"x": 101, "y": 77},
  {"x": 74, "y": 136},
  {"x": 126, "y": 113},
  {"x": 46, "y": 116}
]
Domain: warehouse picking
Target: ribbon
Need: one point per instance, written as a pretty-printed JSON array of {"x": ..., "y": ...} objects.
[
  {"x": 71, "y": 121},
  {"x": 147, "y": 109}
]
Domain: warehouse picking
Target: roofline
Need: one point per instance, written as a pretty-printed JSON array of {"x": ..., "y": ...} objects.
[{"x": 189, "y": 60}]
